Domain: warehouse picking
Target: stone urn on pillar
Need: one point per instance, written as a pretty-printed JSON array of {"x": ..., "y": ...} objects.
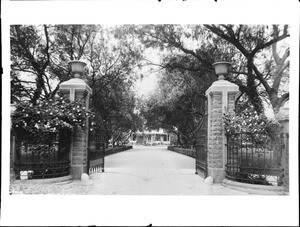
[
  {"x": 74, "y": 89},
  {"x": 220, "y": 99},
  {"x": 221, "y": 69}
]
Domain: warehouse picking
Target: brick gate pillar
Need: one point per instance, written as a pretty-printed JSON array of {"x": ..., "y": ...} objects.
[
  {"x": 283, "y": 118},
  {"x": 220, "y": 99},
  {"x": 76, "y": 88}
]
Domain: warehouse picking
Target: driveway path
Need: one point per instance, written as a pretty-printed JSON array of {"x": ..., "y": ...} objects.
[{"x": 139, "y": 171}]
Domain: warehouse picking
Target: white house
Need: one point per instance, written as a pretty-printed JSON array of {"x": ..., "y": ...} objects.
[{"x": 153, "y": 137}]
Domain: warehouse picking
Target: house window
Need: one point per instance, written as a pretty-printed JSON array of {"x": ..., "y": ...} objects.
[
  {"x": 165, "y": 137},
  {"x": 157, "y": 137}
]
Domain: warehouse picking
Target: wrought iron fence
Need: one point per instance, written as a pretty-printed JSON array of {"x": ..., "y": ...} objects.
[
  {"x": 40, "y": 161},
  {"x": 255, "y": 158},
  {"x": 96, "y": 151}
]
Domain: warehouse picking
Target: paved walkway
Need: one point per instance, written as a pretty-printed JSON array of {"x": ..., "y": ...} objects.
[{"x": 139, "y": 171}]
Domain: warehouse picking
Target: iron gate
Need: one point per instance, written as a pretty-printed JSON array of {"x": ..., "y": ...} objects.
[
  {"x": 201, "y": 147},
  {"x": 42, "y": 160},
  {"x": 96, "y": 151},
  {"x": 255, "y": 158}
]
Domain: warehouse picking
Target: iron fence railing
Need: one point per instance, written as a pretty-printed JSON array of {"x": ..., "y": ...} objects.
[
  {"x": 40, "y": 161},
  {"x": 255, "y": 158},
  {"x": 96, "y": 151}
]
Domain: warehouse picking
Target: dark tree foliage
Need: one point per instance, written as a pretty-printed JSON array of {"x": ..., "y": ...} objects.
[
  {"x": 258, "y": 71},
  {"x": 40, "y": 56},
  {"x": 178, "y": 105}
]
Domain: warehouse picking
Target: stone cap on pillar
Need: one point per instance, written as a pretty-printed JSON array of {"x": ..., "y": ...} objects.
[
  {"x": 75, "y": 84},
  {"x": 219, "y": 86},
  {"x": 74, "y": 87}
]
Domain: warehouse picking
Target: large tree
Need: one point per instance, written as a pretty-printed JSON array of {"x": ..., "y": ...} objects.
[
  {"x": 178, "y": 105},
  {"x": 31, "y": 57},
  {"x": 264, "y": 69},
  {"x": 113, "y": 64},
  {"x": 257, "y": 67},
  {"x": 40, "y": 56}
]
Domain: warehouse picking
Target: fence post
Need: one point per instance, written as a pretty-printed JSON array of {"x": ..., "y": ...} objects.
[
  {"x": 283, "y": 118},
  {"x": 76, "y": 88},
  {"x": 220, "y": 99}
]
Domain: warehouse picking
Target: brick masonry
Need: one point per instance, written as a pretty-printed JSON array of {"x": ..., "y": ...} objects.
[
  {"x": 285, "y": 154},
  {"x": 221, "y": 99},
  {"x": 74, "y": 89},
  {"x": 79, "y": 153},
  {"x": 215, "y": 156},
  {"x": 231, "y": 103},
  {"x": 283, "y": 117}
]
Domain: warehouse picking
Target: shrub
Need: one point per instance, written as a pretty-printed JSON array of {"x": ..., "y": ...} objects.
[
  {"x": 41, "y": 123},
  {"x": 250, "y": 121}
]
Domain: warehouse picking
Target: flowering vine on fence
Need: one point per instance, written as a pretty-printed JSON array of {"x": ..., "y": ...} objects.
[
  {"x": 250, "y": 122},
  {"x": 48, "y": 117}
]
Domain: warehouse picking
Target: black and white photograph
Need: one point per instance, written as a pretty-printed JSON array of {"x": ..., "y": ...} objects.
[
  {"x": 85, "y": 112},
  {"x": 149, "y": 116}
]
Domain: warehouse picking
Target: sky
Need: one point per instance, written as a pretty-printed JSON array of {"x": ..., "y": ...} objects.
[{"x": 147, "y": 85}]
